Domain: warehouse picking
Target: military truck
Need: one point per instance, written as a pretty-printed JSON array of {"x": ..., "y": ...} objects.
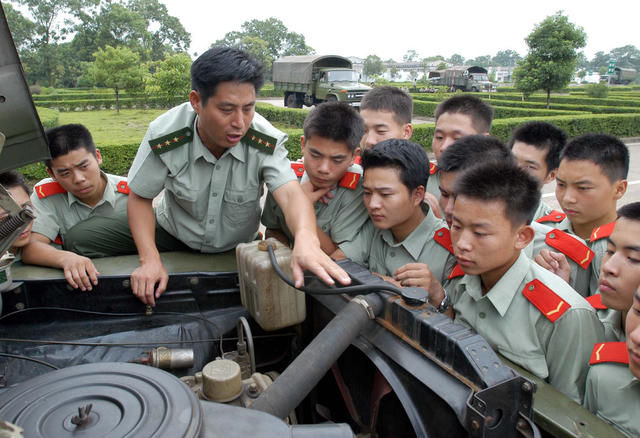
[
  {"x": 309, "y": 80},
  {"x": 467, "y": 79},
  {"x": 623, "y": 76},
  {"x": 376, "y": 359}
]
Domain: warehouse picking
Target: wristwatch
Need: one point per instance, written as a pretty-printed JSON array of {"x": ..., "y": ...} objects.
[{"x": 444, "y": 304}]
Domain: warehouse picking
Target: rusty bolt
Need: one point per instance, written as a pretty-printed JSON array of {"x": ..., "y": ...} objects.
[
  {"x": 527, "y": 387},
  {"x": 475, "y": 425}
]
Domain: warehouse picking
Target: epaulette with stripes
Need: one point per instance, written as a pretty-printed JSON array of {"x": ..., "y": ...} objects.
[
  {"x": 261, "y": 141},
  {"x": 298, "y": 168},
  {"x": 555, "y": 216},
  {"x": 433, "y": 168},
  {"x": 49, "y": 189},
  {"x": 171, "y": 141},
  {"x": 443, "y": 237},
  {"x": 570, "y": 246},
  {"x": 609, "y": 352},
  {"x": 602, "y": 232},
  {"x": 596, "y": 302},
  {"x": 545, "y": 300},
  {"x": 350, "y": 180}
]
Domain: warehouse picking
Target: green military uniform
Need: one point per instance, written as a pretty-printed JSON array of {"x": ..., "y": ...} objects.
[
  {"x": 59, "y": 211},
  {"x": 613, "y": 394},
  {"x": 534, "y": 319},
  {"x": 211, "y": 204},
  {"x": 573, "y": 247},
  {"x": 597, "y": 242},
  {"x": 543, "y": 210},
  {"x": 433, "y": 183},
  {"x": 341, "y": 218},
  {"x": 375, "y": 248},
  {"x": 611, "y": 319}
]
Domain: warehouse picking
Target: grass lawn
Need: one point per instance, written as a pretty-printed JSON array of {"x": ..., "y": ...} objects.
[{"x": 109, "y": 127}]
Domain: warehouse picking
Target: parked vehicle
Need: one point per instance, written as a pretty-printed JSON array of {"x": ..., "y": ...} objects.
[
  {"x": 309, "y": 80},
  {"x": 467, "y": 79}
]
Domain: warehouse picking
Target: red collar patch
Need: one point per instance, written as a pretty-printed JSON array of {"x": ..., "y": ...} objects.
[
  {"x": 545, "y": 300},
  {"x": 350, "y": 180},
  {"x": 596, "y": 302},
  {"x": 433, "y": 168},
  {"x": 456, "y": 272},
  {"x": 123, "y": 187},
  {"x": 443, "y": 237},
  {"x": 555, "y": 216},
  {"x": 602, "y": 232},
  {"x": 298, "y": 168},
  {"x": 609, "y": 352}
]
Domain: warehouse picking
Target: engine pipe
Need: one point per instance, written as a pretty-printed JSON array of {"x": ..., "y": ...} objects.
[{"x": 302, "y": 375}]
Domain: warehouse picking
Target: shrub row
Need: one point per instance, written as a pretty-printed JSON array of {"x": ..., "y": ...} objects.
[
  {"x": 570, "y": 100},
  {"x": 110, "y": 103},
  {"x": 289, "y": 116},
  {"x": 424, "y": 108},
  {"x": 48, "y": 117},
  {"x": 85, "y": 96}
]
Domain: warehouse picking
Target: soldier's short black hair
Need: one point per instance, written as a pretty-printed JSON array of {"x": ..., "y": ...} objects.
[
  {"x": 630, "y": 211},
  {"x": 13, "y": 178},
  {"x": 408, "y": 158},
  {"x": 606, "y": 151},
  {"x": 224, "y": 64},
  {"x": 335, "y": 121},
  {"x": 391, "y": 99},
  {"x": 543, "y": 136},
  {"x": 66, "y": 138},
  {"x": 480, "y": 112},
  {"x": 504, "y": 182},
  {"x": 472, "y": 150}
]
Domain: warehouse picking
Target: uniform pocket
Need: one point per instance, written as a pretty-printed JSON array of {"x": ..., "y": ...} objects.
[
  {"x": 241, "y": 209},
  {"x": 186, "y": 195}
]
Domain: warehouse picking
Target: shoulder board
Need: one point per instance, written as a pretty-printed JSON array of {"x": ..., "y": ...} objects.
[
  {"x": 433, "y": 168},
  {"x": 443, "y": 237},
  {"x": 298, "y": 168},
  {"x": 171, "y": 141},
  {"x": 350, "y": 180},
  {"x": 555, "y": 216},
  {"x": 602, "y": 232},
  {"x": 545, "y": 300},
  {"x": 123, "y": 187},
  {"x": 570, "y": 246},
  {"x": 58, "y": 240},
  {"x": 596, "y": 302},
  {"x": 358, "y": 160},
  {"x": 261, "y": 141},
  {"x": 48, "y": 189},
  {"x": 609, "y": 352},
  {"x": 456, "y": 272}
]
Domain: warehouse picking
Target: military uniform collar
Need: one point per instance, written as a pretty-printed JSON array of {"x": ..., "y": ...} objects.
[
  {"x": 502, "y": 293},
  {"x": 418, "y": 238},
  {"x": 199, "y": 150},
  {"x": 109, "y": 194}
]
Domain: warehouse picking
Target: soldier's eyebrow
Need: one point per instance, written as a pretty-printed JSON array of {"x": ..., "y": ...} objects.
[{"x": 64, "y": 169}]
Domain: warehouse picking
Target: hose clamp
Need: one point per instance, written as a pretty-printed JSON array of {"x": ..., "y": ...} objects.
[{"x": 364, "y": 303}]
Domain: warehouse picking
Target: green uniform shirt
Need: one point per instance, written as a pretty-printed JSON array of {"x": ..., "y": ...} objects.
[
  {"x": 558, "y": 351},
  {"x": 613, "y": 394},
  {"x": 341, "y": 218},
  {"x": 375, "y": 248},
  {"x": 433, "y": 184},
  {"x": 543, "y": 210},
  {"x": 612, "y": 321},
  {"x": 57, "y": 213},
  {"x": 209, "y": 204},
  {"x": 579, "y": 278}
]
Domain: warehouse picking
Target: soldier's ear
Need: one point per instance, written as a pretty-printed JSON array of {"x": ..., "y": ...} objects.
[
  {"x": 196, "y": 102},
  {"x": 50, "y": 172},
  {"x": 524, "y": 236}
]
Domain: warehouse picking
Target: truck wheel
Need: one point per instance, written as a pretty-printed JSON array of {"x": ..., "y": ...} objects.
[
  {"x": 474, "y": 89},
  {"x": 290, "y": 100},
  {"x": 332, "y": 98}
]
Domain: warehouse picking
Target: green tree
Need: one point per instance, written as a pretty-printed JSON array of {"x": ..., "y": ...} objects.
[
  {"x": 373, "y": 66},
  {"x": 22, "y": 29},
  {"x": 171, "y": 79},
  {"x": 456, "y": 59},
  {"x": 552, "y": 57},
  {"x": 118, "y": 68},
  {"x": 506, "y": 58},
  {"x": 433, "y": 58},
  {"x": 482, "y": 61},
  {"x": 393, "y": 73},
  {"x": 626, "y": 56},
  {"x": 410, "y": 56},
  {"x": 441, "y": 66}
]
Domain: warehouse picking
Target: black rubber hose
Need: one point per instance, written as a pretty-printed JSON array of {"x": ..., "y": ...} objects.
[{"x": 303, "y": 374}]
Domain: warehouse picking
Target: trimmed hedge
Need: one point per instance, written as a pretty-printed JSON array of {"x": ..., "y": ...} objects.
[
  {"x": 571, "y": 100},
  {"x": 110, "y": 103},
  {"x": 48, "y": 117},
  {"x": 423, "y": 108},
  {"x": 289, "y": 116}
]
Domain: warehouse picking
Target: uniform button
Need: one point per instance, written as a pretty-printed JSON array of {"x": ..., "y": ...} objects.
[
  {"x": 393, "y": 254},
  {"x": 179, "y": 193},
  {"x": 211, "y": 221},
  {"x": 324, "y": 227},
  {"x": 482, "y": 315},
  {"x": 558, "y": 217},
  {"x": 552, "y": 236},
  {"x": 439, "y": 233},
  {"x": 217, "y": 167},
  {"x": 531, "y": 287},
  {"x": 214, "y": 194}
]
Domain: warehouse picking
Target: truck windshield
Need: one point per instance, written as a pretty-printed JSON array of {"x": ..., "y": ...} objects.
[
  {"x": 480, "y": 77},
  {"x": 343, "y": 76}
]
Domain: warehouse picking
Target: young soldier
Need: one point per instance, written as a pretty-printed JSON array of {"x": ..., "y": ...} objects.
[
  {"x": 591, "y": 177},
  {"x": 401, "y": 240},
  {"x": 468, "y": 152},
  {"x": 14, "y": 183},
  {"x": 76, "y": 193},
  {"x": 620, "y": 273},
  {"x": 613, "y": 385},
  {"x": 537, "y": 146},
  {"x": 456, "y": 117},
  {"x": 332, "y": 134},
  {"x": 525, "y": 312},
  {"x": 387, "y": 113}
]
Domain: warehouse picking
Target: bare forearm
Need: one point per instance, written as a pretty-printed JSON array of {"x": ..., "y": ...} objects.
[
  {"x": 326, "y": 244},
  {"x": 43, "y": 254},
  {"x": 142, "y": 222}
]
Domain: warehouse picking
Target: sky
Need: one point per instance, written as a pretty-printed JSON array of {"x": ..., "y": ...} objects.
[{"x": 436, "y": 27}]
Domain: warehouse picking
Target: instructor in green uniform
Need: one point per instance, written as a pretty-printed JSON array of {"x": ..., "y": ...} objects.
[{"x": 212, "y": 156}]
